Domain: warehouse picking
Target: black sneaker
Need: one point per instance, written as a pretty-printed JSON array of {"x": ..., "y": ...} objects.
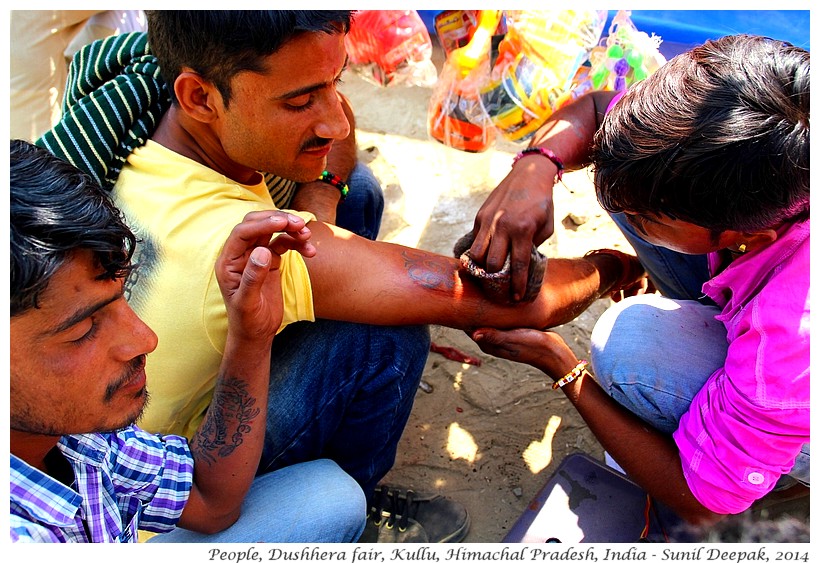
[{"x": 400, "y": 516}]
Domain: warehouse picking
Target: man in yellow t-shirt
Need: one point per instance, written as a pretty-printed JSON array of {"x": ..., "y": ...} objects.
[{"x": 257, "y": 92}]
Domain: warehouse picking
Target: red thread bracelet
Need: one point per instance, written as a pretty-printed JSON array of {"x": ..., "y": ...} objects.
[{"x": 545, "y": 153}]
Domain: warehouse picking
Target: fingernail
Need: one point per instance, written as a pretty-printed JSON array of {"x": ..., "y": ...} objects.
[{"x": 259, "y": 257}]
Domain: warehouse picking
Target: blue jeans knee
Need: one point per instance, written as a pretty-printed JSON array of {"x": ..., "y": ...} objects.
[
  {"x": 653, "y": 354},
  {"x": 313, "y": 502}
]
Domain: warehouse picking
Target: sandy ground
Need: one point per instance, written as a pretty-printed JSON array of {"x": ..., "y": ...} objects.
[{"x": 488, "y": 436}]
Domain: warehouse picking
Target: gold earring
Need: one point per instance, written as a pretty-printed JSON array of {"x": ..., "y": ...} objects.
[{"x": 742, "y": 248}]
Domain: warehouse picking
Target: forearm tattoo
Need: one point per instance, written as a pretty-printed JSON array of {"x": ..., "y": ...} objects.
[
  {"x": 429, "y": 271},
  {"x": 226, "y": 422}
]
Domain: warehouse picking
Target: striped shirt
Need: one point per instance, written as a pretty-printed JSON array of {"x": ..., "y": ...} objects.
[{"x": 123, "y": 482}]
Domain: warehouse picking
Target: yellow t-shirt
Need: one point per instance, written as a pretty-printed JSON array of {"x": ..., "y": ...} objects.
[{"x": 182, "y": 213}]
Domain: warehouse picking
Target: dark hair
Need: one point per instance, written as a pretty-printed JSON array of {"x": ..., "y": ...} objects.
[
  {"x": 718, "y": 137},
  {"x": 56, "y": 210},
  {"x": 218, "y": 44}
]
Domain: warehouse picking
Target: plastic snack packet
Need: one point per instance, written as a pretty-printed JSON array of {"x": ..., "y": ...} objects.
[
  {"x": 455, "y": 116},
  {"x": 537, "y": 61},
  {"x": 388, "y": 47},
  {"x": 626, "y": 57}
]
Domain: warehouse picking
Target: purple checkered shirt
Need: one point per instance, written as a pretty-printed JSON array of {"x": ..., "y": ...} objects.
[{"x": 125, "y": 481}]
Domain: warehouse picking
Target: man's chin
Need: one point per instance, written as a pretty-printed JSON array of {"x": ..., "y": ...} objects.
[{"x": 136, "y": 415}]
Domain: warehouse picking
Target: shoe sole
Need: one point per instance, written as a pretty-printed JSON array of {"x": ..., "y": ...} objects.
[{"x": 459, "y": 534}]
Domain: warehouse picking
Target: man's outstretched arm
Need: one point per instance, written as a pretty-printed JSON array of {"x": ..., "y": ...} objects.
[{"x": 358, "y": 280}]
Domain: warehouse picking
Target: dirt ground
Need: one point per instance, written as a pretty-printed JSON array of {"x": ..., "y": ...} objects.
[{"x": 488, "y": 436}]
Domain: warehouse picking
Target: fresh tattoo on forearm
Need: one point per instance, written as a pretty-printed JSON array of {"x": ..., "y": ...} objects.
[
  {"x": 429, "y": 271},
  {"x": 226, "y": 423}
]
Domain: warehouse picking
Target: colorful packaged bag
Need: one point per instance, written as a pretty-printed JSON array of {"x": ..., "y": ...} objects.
[{"x": 389, "y": 47}]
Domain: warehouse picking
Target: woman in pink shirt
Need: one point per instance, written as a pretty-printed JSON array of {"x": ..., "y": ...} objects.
[{"x": 701, "y": 393}]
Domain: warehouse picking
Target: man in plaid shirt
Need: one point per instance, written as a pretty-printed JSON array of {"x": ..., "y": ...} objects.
[{"x": 81, "y": 471}]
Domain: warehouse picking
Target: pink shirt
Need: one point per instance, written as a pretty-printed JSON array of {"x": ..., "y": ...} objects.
[{"x": 747, "y": 424}]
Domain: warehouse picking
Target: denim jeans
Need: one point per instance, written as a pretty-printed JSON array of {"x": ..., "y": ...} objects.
[
  {"x": 313, "y": 502},
  {"x": 361, "y": 211},
  {"x": 342, "y": 391},
  {"x": 653, "y": 354},
  {"x": 675, "y": 275}
]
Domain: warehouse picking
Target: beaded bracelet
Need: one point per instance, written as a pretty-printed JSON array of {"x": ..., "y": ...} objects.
[
  {"x": 545, "y": 153},
  {"x": 573, "y": 374},
  {"x": 335, "y": 181}
]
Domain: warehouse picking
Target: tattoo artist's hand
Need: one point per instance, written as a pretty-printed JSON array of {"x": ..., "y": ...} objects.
[
  {"x": 248, "y": 271},
  {"x": 516, "y": 215},
  {"x": 544, "y": 350}
]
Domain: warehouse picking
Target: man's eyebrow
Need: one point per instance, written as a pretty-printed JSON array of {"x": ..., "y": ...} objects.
[
  {"x": 312, "y": 87},
  {"x": 84, "y": 313}
]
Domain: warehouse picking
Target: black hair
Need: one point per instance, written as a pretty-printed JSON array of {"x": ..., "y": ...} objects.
[
  {"x": 56, "y": 210},
  {"x": 218, "y": 44},
  {"x": 718, "y": 137}
]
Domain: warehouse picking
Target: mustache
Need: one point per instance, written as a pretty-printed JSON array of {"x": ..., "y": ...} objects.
[
  {"x": 131, "y": 370},
  {"x": 315, "y": 143}
]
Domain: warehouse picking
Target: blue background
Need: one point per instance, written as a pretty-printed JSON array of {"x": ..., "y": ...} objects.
[{"x": 682, "y": 29}]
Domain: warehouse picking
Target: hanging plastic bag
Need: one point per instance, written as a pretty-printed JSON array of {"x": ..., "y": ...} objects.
[
  {"x": 455, "y": 116},
  {"x": 455, "y": 28},
  {"x": 389, "y": 47},
  {"x": 537, "y": 61},
  {"x": 626, "y": 56}
]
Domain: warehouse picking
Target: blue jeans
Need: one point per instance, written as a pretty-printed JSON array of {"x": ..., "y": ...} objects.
[
  {"x": 342, "y": 391},
  {"x": 314, "y": 502},
  {"x": 675, "y": 275},
  {"x": 361, "y": 211},
  {"x": 652, "y": 375}
]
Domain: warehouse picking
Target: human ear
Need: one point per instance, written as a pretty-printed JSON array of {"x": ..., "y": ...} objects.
[
  {"x": 757, "y": 239},
  {"x": 198, "y": 98}
]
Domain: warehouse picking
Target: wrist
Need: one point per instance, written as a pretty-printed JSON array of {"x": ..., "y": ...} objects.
[
  {"x": 576, "y": 372},
  {"x": 247, "y": 343},
  {"x": 618, "y": 272},
  {"x": 546, "y": 154},
  {"x": 336, "y": 181}
]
